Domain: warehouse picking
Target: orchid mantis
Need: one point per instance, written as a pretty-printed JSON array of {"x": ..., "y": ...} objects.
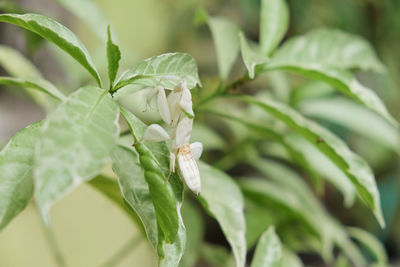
[{"x": 176, "y": 111}]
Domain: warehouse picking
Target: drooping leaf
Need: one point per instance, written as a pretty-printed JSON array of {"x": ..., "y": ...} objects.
[
  {"x": 226, "y": 39},
  {"x": 56, "y": 33},
  {"x": 34, "y": 83},
  {"x": 76, "y": 141},
  {"x": 113, "y": 57},
  {"x": 373, "y": 245},
  {"x": 154, "y": 158},
  {"x": 135, "y": 190},
  {"x": 228, "y": 210},
  {"x": 166, "y": 70},
  {"x": 355, "y": 168},
  {"x": 18, "y": 66},
  {"x": 16, "y": 178},
  {"x": 354, "y": 117},
  {"x": 327, "y": 55},
  {"x": 325, "y": 167},
  {"x": 274, "y": 21},
  {"x": 90, "y": 14},
  {"x": 250, "y": 57},
  {"x": 268, "y": 251}
]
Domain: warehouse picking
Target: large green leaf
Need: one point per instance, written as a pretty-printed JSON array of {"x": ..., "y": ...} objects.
[
  {"x": 34, "y": 83},
  {"x": 223, "y": 199},
  {"x": 250, "y": 56},
  {"x": 56, "y": 33},
  {"x": 16, "y": 178},
  {"x": 355, "y": 168},
  {"x": 324, "y": 166},
  {"x": 135, "y": 190},
  {"x": 154, "y": 158},
  {"x": 373, "y": 245},
  {"x": 327, "y": 55},
  {"x": 354, "y": 117},
  {"x": 327, "y": 48},
  {"x": 18, "y": 66},
  {"x": 166, "y": 70},
  {"x": 76, "y": 141},
  {"x": 274, "y": 21},
  {"x": 113, "y": 57},
  {"x": 226, "y": 38},
  {"x": 268, "y": 251}
]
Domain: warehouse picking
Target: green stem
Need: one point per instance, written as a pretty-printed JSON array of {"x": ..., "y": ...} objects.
[
  {"x": 55, "y": 249},
  {"x": 123, "y": 252}
]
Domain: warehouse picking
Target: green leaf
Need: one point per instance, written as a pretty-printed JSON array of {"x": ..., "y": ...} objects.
[
  {"x": 268, "y": 251},
  {"x": 76, "y": 141},
  {"x": 135, "y": 190},
  {"x": 89, "y": 13},
  {"x": 274, "y": 22},
  {"x": 207, "y": 136},
  {"x": 166, "y": 70},
  {"x": 56, "y": 33},
  {"x": 228, "y": 210},
  {"x": 258, "y": 219},
  {"x": 250, "y": 57},
  {"x": 354, "y": 117},
  {"x": 289, "y": 258},
  {"x": 355, "y": 168},
  {"x": 16, "y": 178},
  {"x": 373, "y": 245},
  {"x": 18, "y": 66},
  {"x": 327, "y": 48},
  {"x": 113, "y": 57},
  {"x": 324, "y": 166},
  {"x": 327, "y": 55},
  {"x": 154, "y": 158},
  {"x": 34, "y": 83},
  {"x": 226, "y": 39}
]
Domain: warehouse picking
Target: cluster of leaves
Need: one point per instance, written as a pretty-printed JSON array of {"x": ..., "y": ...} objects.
[{"x": 82, "y": 132}]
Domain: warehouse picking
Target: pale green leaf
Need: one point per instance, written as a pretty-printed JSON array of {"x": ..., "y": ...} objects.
[
  {"x": 289, "y": 258},
  {"x": 268, "y": 251},
  {"x": 371, "y": 243},
  {"x": 228, "y": 210},
  {"x": 166, "y": 70},
  {"x": 250, "y": 57},
  {"x": 89, "y": 13},
  {"x": 135, "y": 190},
  {"x": 56, "y": 33},
  {"x": 76, "y": 141},
  {"x": 274, "y": 22},
  {"x": 325, "y": 167},
  {"x": 34, "y": 83},
  {"x": 113, "y": 57},
  {"x": 16, "y": 178},
  {"x": 355, "y": 168},
  {"x": 226, "y": 39},
  {"x": 327, "y": 55},
  {"x": 327, "y": 48},
  {"x": 354, "y": 117}
]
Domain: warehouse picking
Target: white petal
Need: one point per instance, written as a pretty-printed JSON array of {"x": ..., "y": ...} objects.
[
  {"x": 172, "y": 158},
  {"x": 189, "y": 169},
  {"x": 163, "y": 105},
  {"x": 197, "y": 149},
  {"x": 173, "y": 103},
  {"x": 183, "y": 132},
  {"x": 186, "y": 103},
  {"x": 155, "y": 133}
]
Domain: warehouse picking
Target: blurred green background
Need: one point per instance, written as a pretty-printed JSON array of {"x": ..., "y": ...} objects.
[{"x": 88, "y": 227}]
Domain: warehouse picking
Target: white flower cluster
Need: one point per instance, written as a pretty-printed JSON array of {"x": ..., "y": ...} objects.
[{"x": 177, "y": 112}]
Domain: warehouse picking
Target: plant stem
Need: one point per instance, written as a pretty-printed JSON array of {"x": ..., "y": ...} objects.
[
  {"x": 55, "y": 249},
  {"x": 123, "y": 252}
]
